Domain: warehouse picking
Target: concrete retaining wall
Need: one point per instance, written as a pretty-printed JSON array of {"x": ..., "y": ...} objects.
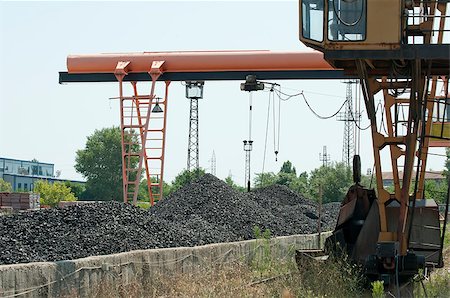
[{"x": 78, "y": 278}]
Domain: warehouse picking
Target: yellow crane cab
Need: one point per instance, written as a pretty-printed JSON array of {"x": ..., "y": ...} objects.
[
  {"x": 378, "y": 31},
  {"x": 351, "y": 24}
]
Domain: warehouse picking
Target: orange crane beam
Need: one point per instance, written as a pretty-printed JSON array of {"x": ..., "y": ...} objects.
[
  {"x": 201, "y": 61},
  {"x": 202, "y": 65}
]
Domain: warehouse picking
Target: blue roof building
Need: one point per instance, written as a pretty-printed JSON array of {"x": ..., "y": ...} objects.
[{"x": 22, "y": 174}]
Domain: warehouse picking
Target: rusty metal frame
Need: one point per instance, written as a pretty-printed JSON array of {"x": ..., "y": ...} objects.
[
  {"x": 400, "y": 145},
  {"x": 140, "y": 104}
]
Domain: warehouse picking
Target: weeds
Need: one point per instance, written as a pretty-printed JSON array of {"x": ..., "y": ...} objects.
[
  {"x": 341, "y": 277},
  {"x": 266, "y": 275},
  {"x": 436, "y": 286},
  {"x": 378, "y": 289}
]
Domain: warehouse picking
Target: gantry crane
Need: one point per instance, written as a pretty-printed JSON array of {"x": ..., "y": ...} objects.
[
  {"x": 143, "y": 116},
  {"x": 397, "y": 49}
]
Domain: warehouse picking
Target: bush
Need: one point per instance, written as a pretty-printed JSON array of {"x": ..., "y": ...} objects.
[
  {"x": 52, "y": 194},
  {"x": 5, "y": 186}
]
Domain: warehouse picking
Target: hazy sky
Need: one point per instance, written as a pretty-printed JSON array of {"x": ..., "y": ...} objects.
[{"x": 41, "y": 119}]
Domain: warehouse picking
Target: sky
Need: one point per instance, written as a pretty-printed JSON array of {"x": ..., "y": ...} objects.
[{"x": 42, "y": 119}]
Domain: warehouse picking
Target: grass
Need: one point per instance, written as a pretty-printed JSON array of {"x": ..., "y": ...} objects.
[
  {"x": 232, "y": 280},
  {"x": 447, "y": 237},
  {"x": 266, "y": 276},
  {"x": 143, "y": 205},
  {"x": 438, "y": 284},
  {"x": 262, "y": 276}
]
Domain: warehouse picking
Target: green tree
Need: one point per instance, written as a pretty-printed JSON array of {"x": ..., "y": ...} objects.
[
  {"x": 100, "y": 162},
  {"x": 287, "y": 179},
  {"x": 5, "y": 186},
  {"x": 334, "y": 180},
  {"x": 286, "y": 176},
  {"x": 369, "y": 181},
  {"x": 301, "y": 184},
  {"x": 143, "y": 190},
  {"x": 78, "y": 189},
  {"x": 436, "y": 190},
  {"x": 288, "y": 168},
  {"x": 447, "y": 162},
  {"x": 52, "y": 194},
  {"x": 230, "y": 182},
  {"x": 185, "y": 177},
  {"x": 264, "y": 179}
]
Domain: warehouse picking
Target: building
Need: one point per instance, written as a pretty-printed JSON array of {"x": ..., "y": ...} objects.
[
  {"x": 437, "y": 176},
  {"x": 22, "y": 174}
]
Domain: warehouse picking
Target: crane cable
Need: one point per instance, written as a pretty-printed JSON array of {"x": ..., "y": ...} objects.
[
  {"x": 267, "y": 130},
  {"x": 289, "y": 96},
  {"x": 250, "y": 116},
  {"x": 279, "y": 129},
  {"x": 276, "y": 125},
  {"x": 276, "y": 137}
]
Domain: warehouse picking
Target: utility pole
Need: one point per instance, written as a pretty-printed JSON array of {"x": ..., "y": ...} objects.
[
  {"x": 349, "y": 118},
  {"x": 194, "y": 92},
  {"x": 324, "y": 157},
  {"x": 248, "y": 147},
  {"x": 319, "y": 220},
  {"x": 213, "y": 163}
]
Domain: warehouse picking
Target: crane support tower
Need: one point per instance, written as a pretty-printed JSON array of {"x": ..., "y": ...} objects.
[
  {"x": 396, "y": 48},
  {"x": 194, "y": 92}
]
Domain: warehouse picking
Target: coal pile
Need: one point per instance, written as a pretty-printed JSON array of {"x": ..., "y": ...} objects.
[
  {"x": 299, "y": 214},
  {"x": 80, "y": 231},
  {"x": 206, "y": 211}
]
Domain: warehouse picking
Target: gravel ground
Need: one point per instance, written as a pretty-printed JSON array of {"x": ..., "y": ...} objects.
[{"x": 206, "y": 211}]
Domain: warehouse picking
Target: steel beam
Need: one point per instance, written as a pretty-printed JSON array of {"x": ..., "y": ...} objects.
[{"x": 65, "y": 77}]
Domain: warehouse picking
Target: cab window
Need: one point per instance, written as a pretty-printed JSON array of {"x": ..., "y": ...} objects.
[
  {"x": 346, "y": 20},
  {"x": 312, "y": 19}
]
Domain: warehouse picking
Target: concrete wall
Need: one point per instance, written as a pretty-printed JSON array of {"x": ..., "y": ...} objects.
[{"x": 79, "y": 278}]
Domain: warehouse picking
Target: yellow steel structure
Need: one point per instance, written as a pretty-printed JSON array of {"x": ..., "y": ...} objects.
[{"x": 397, "y": 50}]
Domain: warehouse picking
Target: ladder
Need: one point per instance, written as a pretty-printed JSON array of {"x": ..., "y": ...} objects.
[{"x": 143, "y": 127}]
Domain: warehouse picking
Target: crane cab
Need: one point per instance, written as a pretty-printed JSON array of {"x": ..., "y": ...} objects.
[
  {"x": 440, "y": 127},
  {"x": 351, "y": 24}
]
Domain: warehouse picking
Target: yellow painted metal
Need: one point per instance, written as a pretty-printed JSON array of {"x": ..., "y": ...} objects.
[
  {"x": 387, "y": 236},
  {"x": 384, "y": 27},
  {"x": 436, "y": 129}
]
